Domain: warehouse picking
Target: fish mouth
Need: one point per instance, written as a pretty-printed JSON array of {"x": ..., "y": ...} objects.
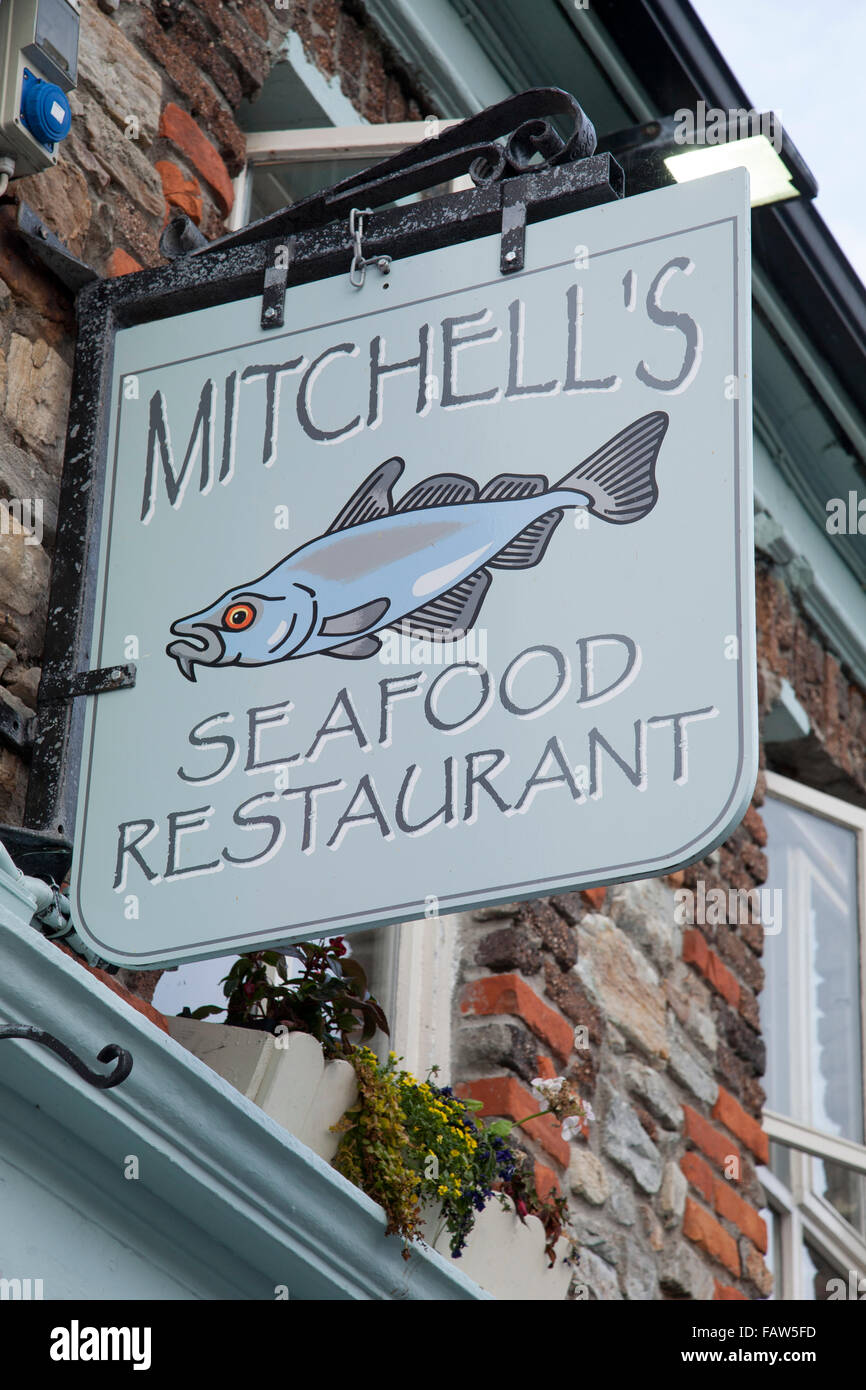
[{"x": 200, "y": 644}]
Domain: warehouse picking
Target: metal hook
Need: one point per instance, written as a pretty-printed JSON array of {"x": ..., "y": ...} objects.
[
  {"x": 111, "y": 1053},
  {"x": 358, "y": 268}
]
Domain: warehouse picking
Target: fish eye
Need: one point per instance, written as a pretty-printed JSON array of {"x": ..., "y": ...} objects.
[{"x": 238, "y": 617}]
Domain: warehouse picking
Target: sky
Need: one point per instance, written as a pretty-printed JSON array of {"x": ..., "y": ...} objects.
[{"x": 805, "y": 61}]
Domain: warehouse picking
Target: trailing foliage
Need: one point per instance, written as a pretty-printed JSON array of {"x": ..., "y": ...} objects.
[
  {"x": 329, "y": 999},
  {"x": 407, "y": 1142}
]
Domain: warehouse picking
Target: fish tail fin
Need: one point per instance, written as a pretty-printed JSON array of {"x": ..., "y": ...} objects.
[{"x": 619, "y": 478}]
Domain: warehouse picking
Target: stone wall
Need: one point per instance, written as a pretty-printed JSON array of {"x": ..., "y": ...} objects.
[
  {"x": 664, "y": 1195},
  {"x": 154, "y": 132}
]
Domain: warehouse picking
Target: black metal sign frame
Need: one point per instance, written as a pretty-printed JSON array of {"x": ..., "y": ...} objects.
[{"x": 524, "y": 171}]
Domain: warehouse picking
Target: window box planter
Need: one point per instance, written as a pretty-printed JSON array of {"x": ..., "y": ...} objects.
[{"x": 293, "y": 1082}]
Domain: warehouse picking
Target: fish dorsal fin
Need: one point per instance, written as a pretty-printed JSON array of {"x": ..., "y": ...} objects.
[
  {"x": 442, "y": 490},
  {"x": 505, "y": 487},
  {"x": 450, "y": 614},
  {"x": 355, "y": 619},
  {"x": 372, "y": 499},
  {"x": 529, "y": 545},
  {"x": 355, "y": 651}
]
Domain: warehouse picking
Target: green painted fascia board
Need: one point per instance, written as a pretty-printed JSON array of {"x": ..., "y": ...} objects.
[{"x": 437, "y": 45}]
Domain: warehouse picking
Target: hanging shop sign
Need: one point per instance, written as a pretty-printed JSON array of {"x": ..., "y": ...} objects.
[{"x": 439, "y": 595}]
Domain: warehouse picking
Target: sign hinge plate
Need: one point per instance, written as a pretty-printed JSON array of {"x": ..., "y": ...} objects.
[{"x": 98, "y": 682}]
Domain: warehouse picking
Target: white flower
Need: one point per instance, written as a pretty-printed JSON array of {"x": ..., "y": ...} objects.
[
  {"x": 544, "y": 1088},
  {"x": 571, "y": 1127}
]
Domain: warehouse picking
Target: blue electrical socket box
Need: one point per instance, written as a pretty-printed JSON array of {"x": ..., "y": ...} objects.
[{"x": 38, "y": 68}]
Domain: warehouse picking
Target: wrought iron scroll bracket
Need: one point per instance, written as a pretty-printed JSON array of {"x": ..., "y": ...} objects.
[
  {"x": 111, "y": 1053},
  {"x": 516, "y": 136}
]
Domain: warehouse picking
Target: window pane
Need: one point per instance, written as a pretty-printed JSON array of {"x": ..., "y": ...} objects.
[
  {"x": 277, "y": 185},
  {"x": 843, "y": 1189},
  {"x": 810, "y": 1006},
  {"x": 817, "y": 1272}
]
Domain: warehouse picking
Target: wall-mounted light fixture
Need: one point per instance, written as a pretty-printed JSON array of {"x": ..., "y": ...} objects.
[{"x": 692, "y": 144}]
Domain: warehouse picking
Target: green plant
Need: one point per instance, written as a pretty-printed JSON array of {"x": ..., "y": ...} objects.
[
  {"x": 406, "y": 1142},
  {"x": 329, "y": 1000}
]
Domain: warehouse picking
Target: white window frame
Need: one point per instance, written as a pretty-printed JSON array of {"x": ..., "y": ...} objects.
[
  {"x": 805, "y": 1215},
  {"x": 329, "y": 142}
]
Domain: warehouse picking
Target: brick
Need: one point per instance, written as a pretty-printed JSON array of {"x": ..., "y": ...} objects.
[
  {"x": 145, "y": 1009},
  {"x": 121, "y": 263},
  {"x": 732, "y": 1115},
  {"x": 697, "y": 952},
  {"x": 702, "y": 1228},
  {"x": 502, "y": 1095},
  {"x": 699, "y": 1174},
  {"x": 594, "y": 898},
  {"x": 180, "y": 192},
  {"x": 731, "y": 1206},
  {"x": 179, "y": 127},
  {"x": 201, "y": 98},
  {"x": 710, "y": 1141},
  {"x": 546, "y": 1181},
  {"x": 725, "y": 1291},
  {"x": 509, "y": 994}
]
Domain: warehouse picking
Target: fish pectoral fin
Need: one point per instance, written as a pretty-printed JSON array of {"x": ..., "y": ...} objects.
[
  {"x": 355, "y": 651},
  {"x": 505, "y": 487},
  {"x": 529, "y": 545},
  {"x": 372, "y": 498},
  {"x": 441, "y": 490},
  {"x": 452, "y": 613},
  {"x": 355, "y": 619}
]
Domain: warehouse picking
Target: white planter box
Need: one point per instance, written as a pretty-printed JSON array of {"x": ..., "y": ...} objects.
[
  {"x": 288, "y": 1077},
  {"x": 292, "y": 1081}
]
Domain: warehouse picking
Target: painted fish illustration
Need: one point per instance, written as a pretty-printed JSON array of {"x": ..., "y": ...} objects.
[{"x": 421, "y": 565}]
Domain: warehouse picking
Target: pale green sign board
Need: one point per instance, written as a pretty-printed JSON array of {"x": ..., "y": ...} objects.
[{"x": 441, "y": 596}]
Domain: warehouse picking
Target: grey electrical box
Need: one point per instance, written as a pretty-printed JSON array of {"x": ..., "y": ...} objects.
[{"x": 39, "y": 58}]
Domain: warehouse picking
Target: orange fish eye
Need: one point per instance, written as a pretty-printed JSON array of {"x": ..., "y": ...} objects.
[{"x": 239, "y": 616}]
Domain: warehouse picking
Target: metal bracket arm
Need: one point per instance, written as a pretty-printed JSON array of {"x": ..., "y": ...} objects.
[
  {"x": 99, "y": 682},
  {"x": 111, "y": 1053}
]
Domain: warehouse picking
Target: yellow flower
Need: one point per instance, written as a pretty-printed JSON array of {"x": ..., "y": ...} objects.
[{"x": 441, "y": 1190}]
